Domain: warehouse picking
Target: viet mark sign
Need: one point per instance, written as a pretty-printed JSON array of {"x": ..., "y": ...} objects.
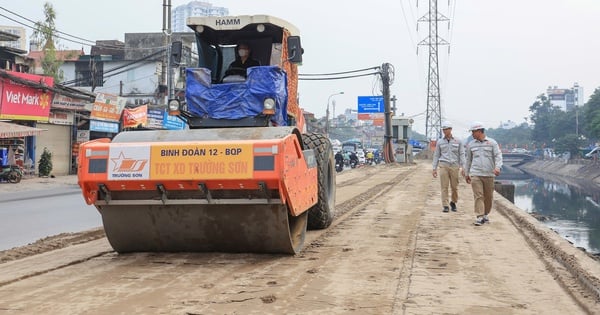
[{"x": 23, "y": 102}]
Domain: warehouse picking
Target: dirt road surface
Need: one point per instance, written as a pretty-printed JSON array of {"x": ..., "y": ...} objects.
[{"x": 390, "y": 251}]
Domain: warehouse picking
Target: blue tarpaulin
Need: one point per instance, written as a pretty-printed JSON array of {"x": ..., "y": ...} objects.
[{"x": 240, "y": 99}]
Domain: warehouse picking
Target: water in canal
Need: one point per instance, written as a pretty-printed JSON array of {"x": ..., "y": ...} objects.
[{"x": 571, "y": 212}]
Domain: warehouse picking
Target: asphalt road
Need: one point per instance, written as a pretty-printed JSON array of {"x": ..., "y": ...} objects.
[{"x": 26, "y": 216}]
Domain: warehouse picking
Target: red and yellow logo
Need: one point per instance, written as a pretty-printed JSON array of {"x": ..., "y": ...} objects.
[{"x": 125, "y": 164}]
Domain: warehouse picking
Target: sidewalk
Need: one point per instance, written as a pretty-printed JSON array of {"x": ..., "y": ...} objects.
[{"x": 35, "y": 183}]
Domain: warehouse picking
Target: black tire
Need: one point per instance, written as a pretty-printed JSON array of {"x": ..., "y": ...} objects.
[
  {"x": 321, "y": 214},
  {"x": 14, "y": 177}
]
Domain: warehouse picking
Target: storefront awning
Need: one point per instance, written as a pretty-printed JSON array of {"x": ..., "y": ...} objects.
[{"x": 8, "y": 130}]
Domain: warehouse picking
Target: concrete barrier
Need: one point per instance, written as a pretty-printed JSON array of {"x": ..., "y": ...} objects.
[{"x": 506, "y": 190}]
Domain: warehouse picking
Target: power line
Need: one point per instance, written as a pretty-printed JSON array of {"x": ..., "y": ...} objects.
[
  {"x": 338, "y": 78},
  {"x": 124, "y": 67},
  {"x": 412, "y": 41},
  {"x": 129, "y": 81},
  {"x": 93, "y": 43},
  {"x": 337, "y": 73},
  {"x": 34, "y": 23},
  {"x": 57, "y": 88}
]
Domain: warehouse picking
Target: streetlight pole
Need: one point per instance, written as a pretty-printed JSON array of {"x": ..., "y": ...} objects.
[{"x": 327, "y": 112}]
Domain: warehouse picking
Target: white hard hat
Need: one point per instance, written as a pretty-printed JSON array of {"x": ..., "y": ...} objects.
[
  {"x": 446, "y": 124},
  {"x": 476, "y": 126}
]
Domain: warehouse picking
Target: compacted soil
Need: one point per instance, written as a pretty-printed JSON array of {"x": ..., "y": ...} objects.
[{"x": 390, "y": 250}]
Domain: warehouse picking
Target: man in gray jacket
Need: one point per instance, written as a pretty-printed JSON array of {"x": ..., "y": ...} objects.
[
  {"x": 449, "y": 156},
  {"x": 483, "y": 163}
]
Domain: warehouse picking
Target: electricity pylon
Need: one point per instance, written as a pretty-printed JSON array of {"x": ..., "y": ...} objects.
[{"x": 433, "y": 124}]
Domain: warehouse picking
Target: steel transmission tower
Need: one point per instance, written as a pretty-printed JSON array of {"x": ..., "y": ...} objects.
[{"x": 433, "y": 124}]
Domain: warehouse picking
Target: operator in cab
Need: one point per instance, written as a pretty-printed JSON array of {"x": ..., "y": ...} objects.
[{"x": 243, "y": 61}]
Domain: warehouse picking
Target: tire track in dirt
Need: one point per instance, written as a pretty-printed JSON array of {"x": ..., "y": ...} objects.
[
  {"x": 390, "y": 250},
  {"x": 204, "y": 281},
  {"x": 304, "y": 270}
]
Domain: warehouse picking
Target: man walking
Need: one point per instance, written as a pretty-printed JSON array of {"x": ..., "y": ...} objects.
[
  {"x": 483, "y": 163},
  {"x": 449, "y": 156}
]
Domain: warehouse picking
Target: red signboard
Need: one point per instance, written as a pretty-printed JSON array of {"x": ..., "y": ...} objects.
[
  {"x": 22, "y": 102},
  {"x": 377, "y": 118},
  {"x": 378, "y": 122},
  {"x": 133, "y": 117}
]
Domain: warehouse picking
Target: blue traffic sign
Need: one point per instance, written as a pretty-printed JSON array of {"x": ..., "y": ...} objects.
[{"x": 370, "y": 104}]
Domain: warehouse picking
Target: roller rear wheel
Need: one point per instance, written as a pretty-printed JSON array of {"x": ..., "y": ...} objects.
[{"x": 321, "y": 215}]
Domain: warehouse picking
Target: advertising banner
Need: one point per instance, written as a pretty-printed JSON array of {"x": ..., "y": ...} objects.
[
  {"x": 134, "y": 117},
  {"x": 370, "y": 104},
  {"x": 155, "y": 118},
  {"x": 83, "y": 136},
  {"x": 182, "y": 161},
  {"x": 104, "y": 126},
  {"x": 65, "y": 102},
  {"x": 173, "y": 122},
  {"x": 61, "y": 118},
  {"x": 107, "y": 107},
  {"x": 21, "y": 102}
]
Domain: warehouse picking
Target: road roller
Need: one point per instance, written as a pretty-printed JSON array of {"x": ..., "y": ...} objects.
[{"x": 244, "y": 176}]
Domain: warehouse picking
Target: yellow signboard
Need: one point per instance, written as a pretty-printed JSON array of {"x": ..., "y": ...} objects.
[{"x": 201, "y": 161}]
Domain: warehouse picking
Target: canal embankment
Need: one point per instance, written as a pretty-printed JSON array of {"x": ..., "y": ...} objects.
[{"x": 579, "y": 173}]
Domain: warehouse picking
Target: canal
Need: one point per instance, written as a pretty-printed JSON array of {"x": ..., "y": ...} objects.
[{"x": 572, "y": 212}]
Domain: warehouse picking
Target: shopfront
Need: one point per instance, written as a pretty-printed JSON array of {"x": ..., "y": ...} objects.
[
  {"x": 25, "y": 101},
  {"x": 57, "y": 140},
  {"x": 15, "y": 143}
]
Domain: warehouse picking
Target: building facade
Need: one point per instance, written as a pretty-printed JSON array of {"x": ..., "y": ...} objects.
[
  {"x": 20, "y": 43},
  {"x": 566, "y": 98},
  {"x": 195, "y": 8}
]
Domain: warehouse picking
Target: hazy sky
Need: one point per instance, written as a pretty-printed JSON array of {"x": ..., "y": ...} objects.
[{"x": 502, "y": 55}]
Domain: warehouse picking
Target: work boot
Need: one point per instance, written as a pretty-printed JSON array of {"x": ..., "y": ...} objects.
[
  {"x": 479, "y": 221},
  {"x": 446, "y": 209},
  {"x": 453, "y": 206}
]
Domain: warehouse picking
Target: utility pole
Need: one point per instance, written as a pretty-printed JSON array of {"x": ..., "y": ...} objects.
[
  {"x": 386, "y": 79},
  {"x": 327, "y": 112},
  {"x": 433, "y": 124},
  {"x": 166, "y": 79}
]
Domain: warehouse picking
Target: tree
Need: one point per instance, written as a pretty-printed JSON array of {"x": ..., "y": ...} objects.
[
  {"x": 45, "y": 165},
  {"x": 548, "y": 121},
  {"x": 568, "y": 143},
  {"x": 45, "y": 33},
  {"x": 591, "y": 112},
  {"x": 519, "y": 136}
]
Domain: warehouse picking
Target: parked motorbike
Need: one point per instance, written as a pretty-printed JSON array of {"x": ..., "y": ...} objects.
[{"x": 11, "y": 173}]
